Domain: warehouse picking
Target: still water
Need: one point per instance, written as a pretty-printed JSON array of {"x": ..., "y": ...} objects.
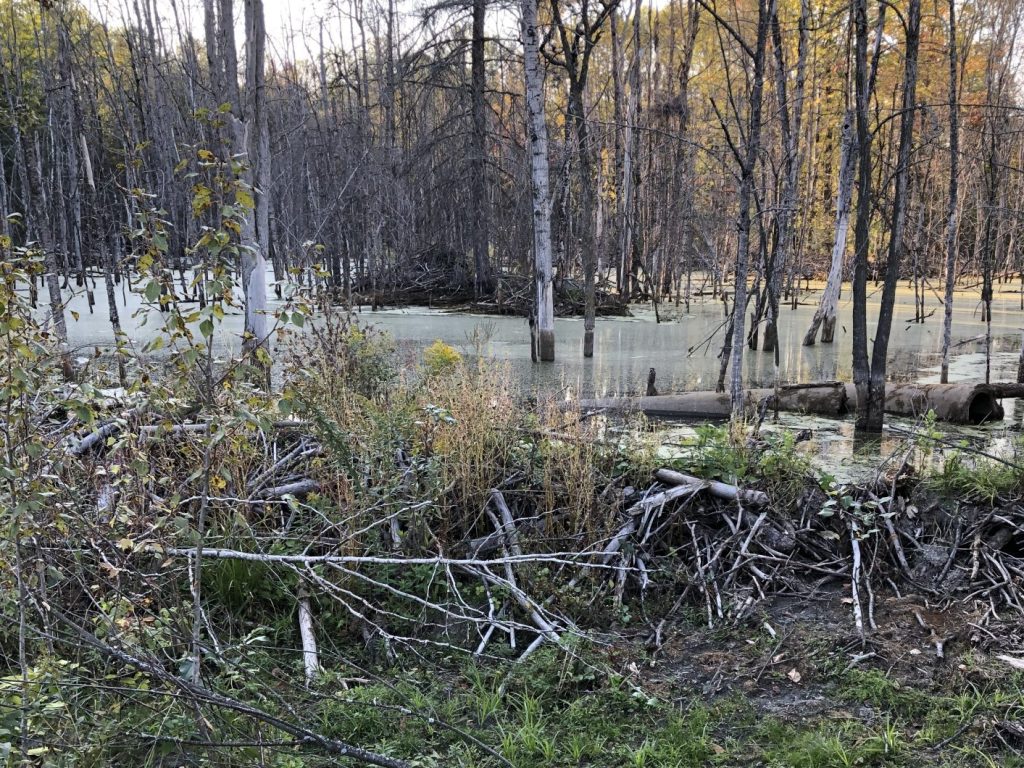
[{"x": 683, "y": 348}]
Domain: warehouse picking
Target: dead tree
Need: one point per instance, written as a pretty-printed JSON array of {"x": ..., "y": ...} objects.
[
  {"x": 870, "y": 377},
  {"x": 544, "y": 320},
  {"x": 573, "y": 53}
]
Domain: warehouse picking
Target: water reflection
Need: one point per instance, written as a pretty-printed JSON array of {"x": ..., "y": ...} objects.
[{"x": 683, "y": 349}]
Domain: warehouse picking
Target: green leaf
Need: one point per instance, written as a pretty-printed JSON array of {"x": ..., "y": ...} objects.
[
  {"x": 243, "y": 198},
  {"x": 299, "y": 319},
  {"x": 153, "y": 290}
]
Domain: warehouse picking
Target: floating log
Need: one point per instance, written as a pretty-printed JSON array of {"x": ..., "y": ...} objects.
[
  {"x": 829, "y": 399},
  {"x": 959, "y": 403}
]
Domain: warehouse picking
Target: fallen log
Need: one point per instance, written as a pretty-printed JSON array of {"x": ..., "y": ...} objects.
[
  {"x": 959, "y": 403},
  {"x": 828, "y": 399},
  {"x": 956, "y": 403},
  {"x": 1008, "y": 389}
]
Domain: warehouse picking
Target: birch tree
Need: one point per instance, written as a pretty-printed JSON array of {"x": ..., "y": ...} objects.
[{"x": 544, "y": 309}]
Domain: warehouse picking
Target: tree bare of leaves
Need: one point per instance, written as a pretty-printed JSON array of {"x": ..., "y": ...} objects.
[
  {"x": 543, "y": 341},
  {"x": 573, "y": 51},
  {"x": 870, "y": 378}
]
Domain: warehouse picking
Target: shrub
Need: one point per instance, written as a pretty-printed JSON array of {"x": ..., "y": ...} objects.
[{"x": 440, "y": 358}]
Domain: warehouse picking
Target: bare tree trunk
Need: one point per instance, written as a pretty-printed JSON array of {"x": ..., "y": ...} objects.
[
  {"x": 627, "y": 219},
  {"x": 791, "y": 123},
  {"x": 871, "y": 393},
  {"x": 588, "y": 199},
  {"x": 952, "y": 221},
  {"x": 60, "y": 326},
  {"x": 478, "y": 165},
  {"x": 256, "y": 233},
  {"x": 686, "y": 163},
  {"x": 577, "y": 47},
  {"x": 862, "y": 235},
  {"x": 825, "y": 316},
  {"x": 538, "y": 133},
  {"x": 618, "y": 113},
  {"x": 764, "y": 10}
]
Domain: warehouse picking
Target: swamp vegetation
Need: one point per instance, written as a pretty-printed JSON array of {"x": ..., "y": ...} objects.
[
  {"x": 248, "y": 523},
  {"x": 399, "y": 559}
]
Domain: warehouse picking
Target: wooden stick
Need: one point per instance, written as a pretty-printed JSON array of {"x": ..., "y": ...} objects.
[
  {"x": 310, "y": 658},
  {"x": 858, "y": 616},
  {"x": 715, "y": 488}
]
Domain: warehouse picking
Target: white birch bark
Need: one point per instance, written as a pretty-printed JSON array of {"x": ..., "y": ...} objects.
[
  {"x": 538, "y": 134},
  {"x": 255, "y": 139},
  {"x": 310, "y": 656}
]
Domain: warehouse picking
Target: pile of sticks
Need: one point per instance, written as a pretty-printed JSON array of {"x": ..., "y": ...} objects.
[
  {"x": 446, "y": 280},
  {"x": 729, "y": 550},
  {"x": 698, "y": 541}
]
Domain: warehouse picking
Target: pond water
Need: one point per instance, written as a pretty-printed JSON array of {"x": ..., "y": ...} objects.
[{"x": 683, "y": 348}]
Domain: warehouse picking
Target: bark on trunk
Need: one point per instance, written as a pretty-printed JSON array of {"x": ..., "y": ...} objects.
[
  {"x": 952, "y": 221},
  {"x": 481, "y": 233},
  {"x": 627, "y": 222},
  {"x": 825, "y": 316},
  {"x": 538, "y": 134},
  {"x": 765, "y": 8},
  {"x": 791, "y": 124},
  {"x": 253, "y": 135},
  {"x": 870, "y": 414}
]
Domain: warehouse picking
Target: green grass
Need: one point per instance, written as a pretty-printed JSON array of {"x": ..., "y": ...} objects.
[
  {"x": 974, "y": 479},
  {"x": 545, "y": 715}
]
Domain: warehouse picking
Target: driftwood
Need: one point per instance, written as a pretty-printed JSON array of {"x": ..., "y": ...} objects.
[
  {"x": 956, "y": 403},
  {"x": 715, "y": 488}
]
